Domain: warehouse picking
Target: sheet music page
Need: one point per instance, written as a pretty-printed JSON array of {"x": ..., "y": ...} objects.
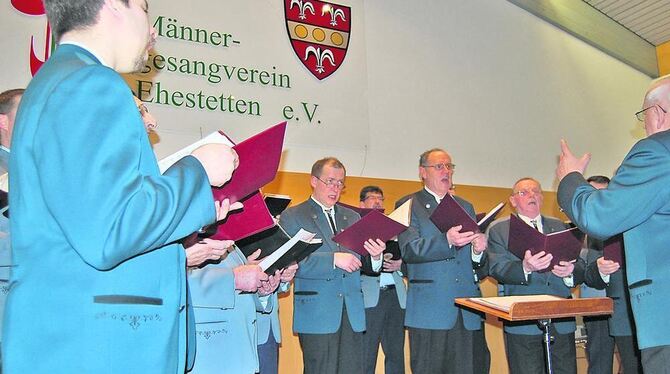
[
  {"x": 213, "y": 138},
  {"x": 490, "y": 213},
  {"x": 302, "y": 235},
  {"x": 403, "y": 213},
  {"x": 505, "y": 303}
]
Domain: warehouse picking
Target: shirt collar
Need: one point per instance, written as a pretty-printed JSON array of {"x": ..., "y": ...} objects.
[
  {"x": 538, "y": 220},
  {"x": 323, "y": 207},
  {"x": 83, "y": 46},
  {"x": 436, "y": 196}
]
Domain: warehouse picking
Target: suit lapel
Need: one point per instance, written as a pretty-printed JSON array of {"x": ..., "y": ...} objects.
[
  {"x": 341, "y": 220},
  {"x": 426, "y": 200},
  {"x": 549, "y": 226},
  {"x": 320, "y": 220}
]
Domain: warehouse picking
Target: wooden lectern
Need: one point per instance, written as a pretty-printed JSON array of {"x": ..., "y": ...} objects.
[{"x": 538, "y": 307}]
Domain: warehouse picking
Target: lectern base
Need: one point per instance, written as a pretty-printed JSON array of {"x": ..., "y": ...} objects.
[{"x": 547, "y": 338}]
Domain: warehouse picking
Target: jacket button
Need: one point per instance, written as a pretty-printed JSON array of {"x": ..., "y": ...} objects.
[{"x": 339, "y": 295}]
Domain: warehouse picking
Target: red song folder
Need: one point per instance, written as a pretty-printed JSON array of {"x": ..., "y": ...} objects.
[
  {"x": 450, "y": 213},
  {"x": 253, "y": 218},
  {"x": 259, "y": 160},
  {"x": 564, "y": 245},
  {"x": 613, "y": 249},
  {"x": 374, "y": 225}
]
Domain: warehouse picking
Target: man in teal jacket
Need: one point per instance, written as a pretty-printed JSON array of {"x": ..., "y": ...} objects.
[
  {"x": 98, "y": 283},
  {"x": 9, "y": 103},
  {"x": 637, "y": 204}
]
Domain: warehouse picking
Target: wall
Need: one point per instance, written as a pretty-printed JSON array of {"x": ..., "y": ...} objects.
[
  {"x": 663, "y": 56},
  {"x": 492, "y": 84}
]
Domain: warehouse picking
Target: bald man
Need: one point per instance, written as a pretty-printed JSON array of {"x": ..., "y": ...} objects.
[{"x": 637, "y": 204}]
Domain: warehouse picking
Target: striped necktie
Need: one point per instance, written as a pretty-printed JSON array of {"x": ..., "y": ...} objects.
[{"x": 331, "y": 221}]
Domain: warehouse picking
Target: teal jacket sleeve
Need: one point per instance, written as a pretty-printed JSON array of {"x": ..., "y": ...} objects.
[
  {"x": 637, "y": 191},
  {"x": 110, "y": 200}
]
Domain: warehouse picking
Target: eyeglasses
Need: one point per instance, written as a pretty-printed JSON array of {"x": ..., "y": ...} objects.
[
  {"x": 438, "y": 167},
  {"x": 643, "y": 113},
  {"x": 523, "y": 193},
  {"x": 332, "y": 183},
  {"x": 374, "y": 197}
]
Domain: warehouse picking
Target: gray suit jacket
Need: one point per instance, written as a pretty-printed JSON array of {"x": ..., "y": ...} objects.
[
  {"x": 437, "y": 273},
  {"x": 507, "y": 269},
  {"x": 370, "y": 285},
  {"x": 320, "y": 289},
  {"x": 621, "y": 320}
]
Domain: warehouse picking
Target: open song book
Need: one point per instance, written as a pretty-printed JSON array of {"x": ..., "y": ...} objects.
[
  {"x": 259, "y": 158},
  {"x": 374, "y": 225},
  {"x": 295, "y": 249},
  {"x": 564, "y": 245},
  {"x": 537, "y": 307},
  {"x": 506, "y": 303},
  {"x": 450, "y": 213}
]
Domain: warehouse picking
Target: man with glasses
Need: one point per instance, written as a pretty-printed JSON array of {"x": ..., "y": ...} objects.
[
  {"x": 523, "y": 341},
  {"x": 384, "y": 294},
  {"x": 328, "y": 311},
  {"x": 441, "y": 267},
  {"x": 636, "y": 203}
]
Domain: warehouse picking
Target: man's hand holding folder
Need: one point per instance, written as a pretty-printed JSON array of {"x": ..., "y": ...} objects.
[
  {"x": 459, "y": 239},
  {"x": 219, "y": 162},
  {"x": 543, "y": 252}
]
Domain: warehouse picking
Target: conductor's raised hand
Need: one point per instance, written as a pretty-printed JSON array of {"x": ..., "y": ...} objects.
[{"x": 568, "y": 162}]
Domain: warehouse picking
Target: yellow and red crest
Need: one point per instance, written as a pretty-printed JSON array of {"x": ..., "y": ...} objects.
[{"x": 319, "y": 33}]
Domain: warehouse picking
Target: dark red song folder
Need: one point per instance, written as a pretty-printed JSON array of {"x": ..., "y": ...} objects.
[
  {"x": 613, "y": 249},
  {"x": 375, "y": 225},
  {"x": 563, "y": 245},
  {"x": 253, "y": 218},
  {"x": 259, "y": 160},
  {"x": 450, "y": 213}
]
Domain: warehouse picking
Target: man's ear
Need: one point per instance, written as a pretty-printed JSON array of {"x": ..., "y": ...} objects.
[
  {"x": 112, "y": 5},
  {"x": 512, "y": 202}
]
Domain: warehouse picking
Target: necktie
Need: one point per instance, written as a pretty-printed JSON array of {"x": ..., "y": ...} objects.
[
  {"x": 534, "y": 223},
  {"x": 331, "y": 221}
]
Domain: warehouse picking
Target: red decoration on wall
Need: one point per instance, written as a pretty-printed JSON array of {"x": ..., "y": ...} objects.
[
  {"x": 35, "y": 8},
  {"x": 29, "y": 7},
  {"x": 319, "y": 33}
]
